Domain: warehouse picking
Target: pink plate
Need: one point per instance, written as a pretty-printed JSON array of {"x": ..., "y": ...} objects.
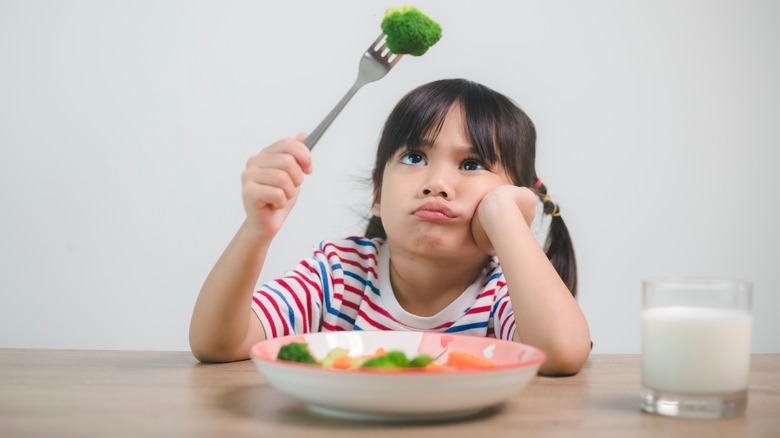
[{"x": 407, "y": 395}]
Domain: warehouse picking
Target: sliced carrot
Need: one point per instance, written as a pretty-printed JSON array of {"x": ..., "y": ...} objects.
[
  {"x": 436, "y": 367},
  {"x": 342, "y": 363},
  {"x": 460, "y": 359}
]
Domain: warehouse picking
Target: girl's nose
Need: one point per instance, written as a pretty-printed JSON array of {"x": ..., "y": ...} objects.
[
  {"x": 437, "y": 185},
  {"x": 428, "y": 192}
]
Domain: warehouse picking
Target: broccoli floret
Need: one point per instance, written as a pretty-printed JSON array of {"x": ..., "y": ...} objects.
[
  {"x": 409, "y": 31},
  {"x": 296, "y": 352},
  {"x": 391, "y": 360},
  {"x": 421, "y": 361}
]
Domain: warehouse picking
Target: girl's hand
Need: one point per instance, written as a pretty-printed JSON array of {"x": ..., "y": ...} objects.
[
  {"x": 501, "y": 207},
  {"x": 270, "y": 184}
]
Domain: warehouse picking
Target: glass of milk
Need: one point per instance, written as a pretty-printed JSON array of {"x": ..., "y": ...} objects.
[{"x": 695, "y": 346}]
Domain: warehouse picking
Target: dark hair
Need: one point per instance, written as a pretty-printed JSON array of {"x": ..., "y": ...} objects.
[{"x": 496, "y": 127}]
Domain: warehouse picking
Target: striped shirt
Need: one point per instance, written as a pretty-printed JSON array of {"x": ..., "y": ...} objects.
[{"x": 345, "y": 285}]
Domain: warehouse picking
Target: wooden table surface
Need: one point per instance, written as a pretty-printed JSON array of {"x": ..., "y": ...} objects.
[{"x": 78, "y": 393}]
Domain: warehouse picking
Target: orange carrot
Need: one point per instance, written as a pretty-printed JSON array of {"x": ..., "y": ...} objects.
[
  {"x": 460, "y": 359},
  {"x": 436, "y": 367},
  {"x": 342, "y": 363}
]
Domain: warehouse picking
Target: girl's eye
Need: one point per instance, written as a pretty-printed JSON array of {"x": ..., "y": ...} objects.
[
  {"x": 473, "y": 164},
  {"x": 414, "y": 158}
]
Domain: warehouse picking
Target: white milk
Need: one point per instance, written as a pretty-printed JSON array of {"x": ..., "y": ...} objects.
[{"x": 687, "y": 349}]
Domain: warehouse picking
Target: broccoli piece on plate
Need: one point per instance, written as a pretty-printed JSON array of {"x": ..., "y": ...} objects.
[
  {"x": 421, "y": 361},
  {"x": 391, "y": 360},
  {"x": 296, "y": 352},
  {"x": 409, "y": 31}
]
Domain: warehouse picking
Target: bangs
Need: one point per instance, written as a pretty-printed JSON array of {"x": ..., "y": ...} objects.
[
  {"x": 499, "y": 131},
  {"x": 418, "y": 118}
]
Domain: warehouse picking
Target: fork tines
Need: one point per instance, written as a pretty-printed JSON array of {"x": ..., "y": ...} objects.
[{"x": 381, "y": 53}]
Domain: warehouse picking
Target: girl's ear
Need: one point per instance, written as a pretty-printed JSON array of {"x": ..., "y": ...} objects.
[{"x": 376, "y": 208}]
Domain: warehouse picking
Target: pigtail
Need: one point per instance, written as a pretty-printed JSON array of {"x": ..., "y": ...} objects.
[{"x": 559, "y": 247}]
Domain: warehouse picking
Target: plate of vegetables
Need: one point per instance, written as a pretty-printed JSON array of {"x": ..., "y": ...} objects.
[{"x": 392, "y": 375}]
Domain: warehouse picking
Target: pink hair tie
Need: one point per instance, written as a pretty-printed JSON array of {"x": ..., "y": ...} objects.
[{"x": 538, "y": 183}]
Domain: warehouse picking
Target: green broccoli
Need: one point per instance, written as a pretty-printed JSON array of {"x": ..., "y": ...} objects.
[
  {"x": 409, "y": 31},
  {"x": 421, "y": 361},
  {"x": 391, "y": 360},
  {"x": 296, "y": 352}
]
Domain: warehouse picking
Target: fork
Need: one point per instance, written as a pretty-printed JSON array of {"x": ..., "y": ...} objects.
[{"x": 374, "y": 65}]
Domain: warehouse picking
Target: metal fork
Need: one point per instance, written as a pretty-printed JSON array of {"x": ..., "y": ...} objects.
[{"x": 374, "y": 65}]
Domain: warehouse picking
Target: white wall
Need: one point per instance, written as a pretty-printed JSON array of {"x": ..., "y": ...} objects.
[{"x": 124, "y": 127}]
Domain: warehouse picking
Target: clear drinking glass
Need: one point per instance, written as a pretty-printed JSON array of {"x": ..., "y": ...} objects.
[{"x": 695, "y": 346}]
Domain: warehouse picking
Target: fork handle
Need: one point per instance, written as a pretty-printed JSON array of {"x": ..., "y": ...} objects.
[{"x": 312, "y": 139}]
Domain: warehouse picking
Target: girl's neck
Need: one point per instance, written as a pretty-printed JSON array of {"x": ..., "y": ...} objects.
[{"x": 424, "y": 287}]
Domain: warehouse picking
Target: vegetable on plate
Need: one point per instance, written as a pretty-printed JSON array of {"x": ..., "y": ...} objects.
[{"x": 339, "y": 358}]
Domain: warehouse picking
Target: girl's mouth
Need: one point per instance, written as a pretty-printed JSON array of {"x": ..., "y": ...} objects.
[{"x": 434, "y": 211}]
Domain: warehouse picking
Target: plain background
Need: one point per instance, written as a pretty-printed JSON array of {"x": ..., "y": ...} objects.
[{"x": 125, "y": 126}]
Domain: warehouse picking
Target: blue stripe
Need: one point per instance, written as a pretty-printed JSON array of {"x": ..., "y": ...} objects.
[
  {"x": 462, "y": 328},
  {"x": 326, "y": 295},
  {"x": 326, "y": 288},
  {"x": 362, "y": 242},
  {"x": 363, "y": 281},
  {"x": 495, "y": 307},
  {"x": 346, "y": 318},
  {"x": 290, "y": 313}
]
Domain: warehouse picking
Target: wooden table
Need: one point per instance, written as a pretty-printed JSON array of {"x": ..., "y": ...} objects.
[{"x": 54, "y": 393}]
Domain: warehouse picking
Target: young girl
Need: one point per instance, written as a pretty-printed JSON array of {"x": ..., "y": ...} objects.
[{"x": 455, "y": 192}]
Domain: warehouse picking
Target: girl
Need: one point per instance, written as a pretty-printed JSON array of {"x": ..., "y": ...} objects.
[{"x": 455, "y": 191}]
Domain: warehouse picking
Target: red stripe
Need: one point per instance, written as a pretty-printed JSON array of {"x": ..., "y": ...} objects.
[
  {"x": 332, "y": 328},
  {"x": 443, "y": 326},
  {"x": 487, "y": 293},
  {"x": 349, "y": 304},
  {"x": 282, "y": 319},
  {"x": 503, "y": 317},
  {"x": 308, "y": 284},
  {"x": 508, "y": 335},
  {"x": 373, "y": 323},
  {"x": 349, "y": 251},
  {"x": 267, "y": 316},
  {"x": 355, "y": 291},
  {"x": 380, "y": 310},
  {"x": 369, "y": 269},
  {"x": 298, "y": 302},
  {"x": 480, "y": 309}
]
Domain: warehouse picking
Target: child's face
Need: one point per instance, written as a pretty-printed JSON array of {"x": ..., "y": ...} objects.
[{"x": 429, "y": 196}]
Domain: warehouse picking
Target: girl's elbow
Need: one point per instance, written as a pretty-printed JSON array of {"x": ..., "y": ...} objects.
[
  {"x": 565, "y": 361},
  {"x": 210, "y": 352},
  {"x": 214, "y": 354}
]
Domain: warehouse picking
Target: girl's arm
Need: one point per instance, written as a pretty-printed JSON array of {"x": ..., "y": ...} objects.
[
  {"x": 223, "y": 325},
  {"x": 547, "y": 314}
]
